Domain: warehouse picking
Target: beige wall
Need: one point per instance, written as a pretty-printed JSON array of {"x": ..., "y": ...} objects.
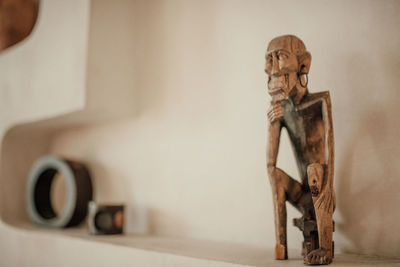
[
  {"x": 40, "y": 77},
  {"x": 191, "y": 161},
  {"x": 45, "y": 73}
]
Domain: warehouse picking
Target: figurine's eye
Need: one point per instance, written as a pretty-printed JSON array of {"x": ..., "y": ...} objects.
[
  {"x": 281, "y": 55},
  {"x": 269, "y": 58}
]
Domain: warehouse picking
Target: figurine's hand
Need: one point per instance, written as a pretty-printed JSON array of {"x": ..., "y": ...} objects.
[
  {"x": 275, "y": 112},
  {"x": 326, "y": 200},
  {"x": 321, "y": 190}
]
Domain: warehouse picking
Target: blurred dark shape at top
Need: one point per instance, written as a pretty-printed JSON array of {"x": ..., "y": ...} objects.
[{"x": 17, "y": 19}]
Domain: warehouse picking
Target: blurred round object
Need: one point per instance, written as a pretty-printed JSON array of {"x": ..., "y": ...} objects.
[{"x": 78, "y": 192}]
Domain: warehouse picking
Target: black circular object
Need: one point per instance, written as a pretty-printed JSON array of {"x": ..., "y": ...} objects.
[{"x": 78, "y": 192}]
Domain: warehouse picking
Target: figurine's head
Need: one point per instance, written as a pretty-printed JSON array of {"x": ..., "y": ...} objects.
[{"x": 287, "y": 66}]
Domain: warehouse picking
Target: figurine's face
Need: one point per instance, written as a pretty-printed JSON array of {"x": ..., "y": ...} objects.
[{"x": 282, "y": 67}]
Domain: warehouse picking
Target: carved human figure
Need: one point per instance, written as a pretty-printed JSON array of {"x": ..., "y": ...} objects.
[{"x": 308, "y": 121}]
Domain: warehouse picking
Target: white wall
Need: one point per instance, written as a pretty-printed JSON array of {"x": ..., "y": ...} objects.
[{"x": 191, "y": 162}]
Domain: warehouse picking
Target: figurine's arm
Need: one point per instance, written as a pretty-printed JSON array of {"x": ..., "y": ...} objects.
[
  {"x": 329, "y": 153},
  {"x": 320, "y": 179},
  {"x": 325, "y": 194},
  {"x": 329, "y": 141}
]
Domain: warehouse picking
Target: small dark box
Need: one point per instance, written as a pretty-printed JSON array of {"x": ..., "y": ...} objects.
[{"x": 105, "y": 219}]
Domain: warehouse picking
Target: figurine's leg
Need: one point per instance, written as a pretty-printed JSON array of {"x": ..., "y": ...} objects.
[
  {"x": 279, "y": 199},
  {"x": 323, "y": 204},
  {"x": 322, "y": 255},
  {"x": 283, "y": 188}
]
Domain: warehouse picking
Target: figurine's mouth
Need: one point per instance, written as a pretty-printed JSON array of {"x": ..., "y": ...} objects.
[
  {"x": 276, "y": 85},
  {"x": 275, "y": 91}
]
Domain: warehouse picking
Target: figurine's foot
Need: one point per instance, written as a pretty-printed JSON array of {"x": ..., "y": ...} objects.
[
  {"x": 280, "y": 252},
  {"x": 318, "y": 257}
]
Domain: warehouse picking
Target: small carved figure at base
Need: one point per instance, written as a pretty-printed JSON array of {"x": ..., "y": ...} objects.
[{"x": 307, "y": 118}]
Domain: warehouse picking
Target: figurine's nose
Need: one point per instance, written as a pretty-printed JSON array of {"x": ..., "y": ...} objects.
[{"x": 275, "y": 65}]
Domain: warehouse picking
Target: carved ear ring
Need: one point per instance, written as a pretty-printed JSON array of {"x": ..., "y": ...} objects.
[{"x": 301, "y": 80}]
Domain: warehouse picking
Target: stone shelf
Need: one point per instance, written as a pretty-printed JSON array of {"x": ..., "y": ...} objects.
[{"x": 133, "y": 249}]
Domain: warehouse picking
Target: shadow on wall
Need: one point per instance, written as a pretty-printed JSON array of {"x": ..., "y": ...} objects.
[{"x": 368, "y": 173}]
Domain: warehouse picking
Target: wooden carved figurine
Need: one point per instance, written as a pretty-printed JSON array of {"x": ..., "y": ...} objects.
[{"x": 308, "y": 120}]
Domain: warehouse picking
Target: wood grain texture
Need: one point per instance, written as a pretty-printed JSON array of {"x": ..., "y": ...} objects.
[{"x": 307, "y": 118}]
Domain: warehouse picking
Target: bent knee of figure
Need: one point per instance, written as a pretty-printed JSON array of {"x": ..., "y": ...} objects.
[
  {"x": 277, "y": 175},
  {"x": 271, "y": 168},
  {"x": 273, "y": 173}
]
